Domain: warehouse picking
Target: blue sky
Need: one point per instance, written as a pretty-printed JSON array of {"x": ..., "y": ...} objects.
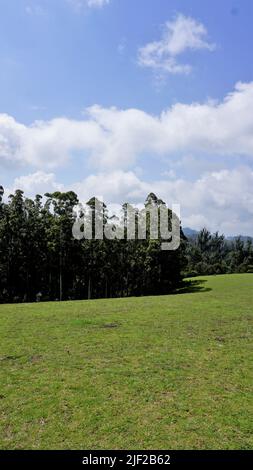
[{"x": 158, "y": 72}]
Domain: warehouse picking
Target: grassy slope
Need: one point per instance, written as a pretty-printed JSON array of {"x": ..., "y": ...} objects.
[{"x": 156, "y": 372}]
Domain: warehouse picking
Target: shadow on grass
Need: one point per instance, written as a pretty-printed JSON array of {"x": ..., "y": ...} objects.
[{"x": 192, "y": 286}]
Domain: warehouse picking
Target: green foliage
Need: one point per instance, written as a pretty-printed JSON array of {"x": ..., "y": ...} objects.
[{"x": 211, "y": 254}]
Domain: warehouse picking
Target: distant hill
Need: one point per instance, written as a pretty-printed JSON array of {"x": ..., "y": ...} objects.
[
  {"x": 191, "y": 233},
  {"x": 242, "y": 237}
]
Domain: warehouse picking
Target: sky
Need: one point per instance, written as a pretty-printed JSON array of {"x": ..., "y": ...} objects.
[{"x": 119, "y": 98}]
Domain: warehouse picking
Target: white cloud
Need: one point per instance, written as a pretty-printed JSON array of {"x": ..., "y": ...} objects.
[
  {"x": 46, "y": 144},
  {"x": 114, "y": 187},
  {"x": 113, "y": 138},
  {"x": 89, "y": 3},
  {"x": 35, "y": 183},
  {"x": 96, "y": 3},
  {"x": 181, "y": 34}
]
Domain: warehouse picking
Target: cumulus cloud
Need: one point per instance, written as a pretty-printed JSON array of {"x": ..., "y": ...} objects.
[
  {"x": 39, "y": 182},
  {"x": 179, "y": 35},
  {"x": 114, "y": 138},
  {"x": 46, "y": 144}
]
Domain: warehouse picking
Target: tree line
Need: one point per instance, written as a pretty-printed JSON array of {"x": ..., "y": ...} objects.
[
  {"x": 209, "y": 253},
  {"x": 41, "y": 260}
]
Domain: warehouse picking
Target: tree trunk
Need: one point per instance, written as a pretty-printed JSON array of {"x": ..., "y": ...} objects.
[{"x": 89, "y": 289}]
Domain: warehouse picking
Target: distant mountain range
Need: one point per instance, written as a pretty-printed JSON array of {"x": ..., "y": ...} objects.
[
  {"x": 242, "y": 237},
  {"x": 191, "y": 233}
]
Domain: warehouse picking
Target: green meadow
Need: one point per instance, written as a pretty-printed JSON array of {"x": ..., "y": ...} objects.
[{"x": 171, "y": 372}]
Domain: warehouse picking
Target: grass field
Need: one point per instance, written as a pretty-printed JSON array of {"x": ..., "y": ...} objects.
[{"x": 171, "y": 372}]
